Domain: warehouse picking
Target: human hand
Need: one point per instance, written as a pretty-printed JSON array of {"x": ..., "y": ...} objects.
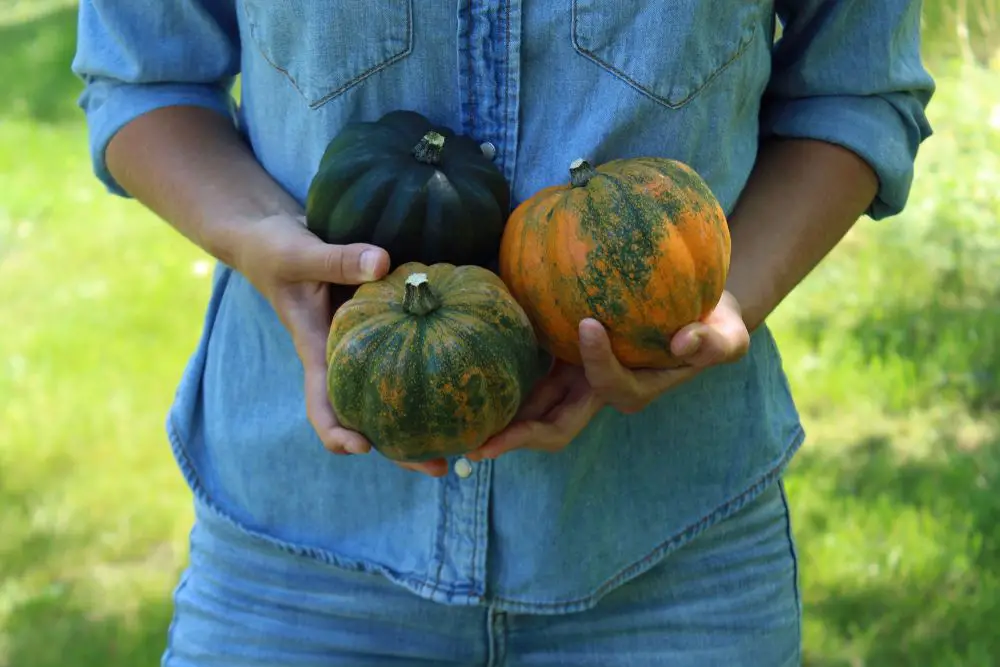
[
  {"x": 293, "y": 269},
  {"x": 563, "y": 403},
  {"x": 720, "y": 338},
  {"x": 558, "y": 408}
]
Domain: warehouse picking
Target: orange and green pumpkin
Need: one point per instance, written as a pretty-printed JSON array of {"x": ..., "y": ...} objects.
[
  {"x": 642, "y": 245},
  {"x": 431, "y": 361}
]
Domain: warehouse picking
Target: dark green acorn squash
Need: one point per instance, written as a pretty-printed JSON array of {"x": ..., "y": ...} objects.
[
  {"x": 422, "y": 192},
  {"x": 431, "y": 361}
]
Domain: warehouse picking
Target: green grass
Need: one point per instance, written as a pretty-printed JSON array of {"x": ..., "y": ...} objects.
[
  {"x": 893, "y": 350},
  {"x": 100, "y": 304},
  {"x": 891, "y": 347}
]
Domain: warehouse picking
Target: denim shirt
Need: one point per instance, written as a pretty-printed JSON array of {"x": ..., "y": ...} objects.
[{"x": 544, "y": 82}]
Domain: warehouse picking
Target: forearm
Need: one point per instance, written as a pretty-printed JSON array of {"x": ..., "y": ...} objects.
[
  {"x": 189, "y": 166},
  {"x": 800, "y": 200}
]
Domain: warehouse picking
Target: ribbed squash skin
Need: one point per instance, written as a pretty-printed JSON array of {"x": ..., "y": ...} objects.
[
  {"x": 643, "y": 247},
  {"x": 423, "y": 386},
  {"x": 388, "y": 183}
]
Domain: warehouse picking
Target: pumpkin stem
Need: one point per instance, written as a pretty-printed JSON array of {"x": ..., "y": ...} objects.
[
  {"x": 429, "y": 149},
  {"x": 419, "y": 299},
  {"x": 580, "y": 173}
]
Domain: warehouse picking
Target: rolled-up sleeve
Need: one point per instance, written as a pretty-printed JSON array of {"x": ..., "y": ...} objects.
[
  {"x": 137, "y": 56},
  {"x": 851, "y": 74}
]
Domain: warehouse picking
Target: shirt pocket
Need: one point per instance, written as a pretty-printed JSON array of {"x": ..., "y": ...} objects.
[
  {"x": 325, "y": 47},
  {"x": 669, "y": 50}
]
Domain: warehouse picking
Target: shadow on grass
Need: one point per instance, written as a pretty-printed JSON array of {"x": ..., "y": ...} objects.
[
  {"x": 35, "y": 67},
  {"x": 46, "y": 622},
  {"x": 942, "y": 612}
]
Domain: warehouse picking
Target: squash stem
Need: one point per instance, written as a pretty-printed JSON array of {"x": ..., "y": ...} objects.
[
  {"x": 580, "y": 173},
  {"x": 430, "y": 148},
  {"x": 418, "y": 298}
]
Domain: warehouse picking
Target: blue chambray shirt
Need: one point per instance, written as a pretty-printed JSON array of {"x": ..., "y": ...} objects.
[{"x": 544, "y": 82}]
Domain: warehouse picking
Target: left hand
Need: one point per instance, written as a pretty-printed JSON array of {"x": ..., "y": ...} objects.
[{"x": 720, "y": 338}]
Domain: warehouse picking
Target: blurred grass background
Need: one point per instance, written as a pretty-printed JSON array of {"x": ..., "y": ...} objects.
[{"x": 892, "y": 347}]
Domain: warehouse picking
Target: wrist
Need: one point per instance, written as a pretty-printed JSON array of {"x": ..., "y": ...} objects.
[
  {"x": 244, "y": 240},
  {"x": 757, "y": 297},
  {"x": 206, "y": 182}
]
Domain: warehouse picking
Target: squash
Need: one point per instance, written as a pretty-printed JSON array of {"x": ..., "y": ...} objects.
[
  {"x": 430, "y": 361},
  {"x": 420, "y": 191},
  {"x": 641, "y": 245}
]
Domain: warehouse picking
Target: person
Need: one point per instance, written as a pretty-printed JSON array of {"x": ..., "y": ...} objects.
[{"x": 626, "y": 517}]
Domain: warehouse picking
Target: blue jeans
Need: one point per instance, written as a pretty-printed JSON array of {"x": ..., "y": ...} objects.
[{"x": 728, "y": 599}]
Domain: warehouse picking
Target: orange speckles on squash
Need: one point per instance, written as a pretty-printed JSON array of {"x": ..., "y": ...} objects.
[
  {"x": 390, "y": 391},
  {"x": 426, "y": 386}
]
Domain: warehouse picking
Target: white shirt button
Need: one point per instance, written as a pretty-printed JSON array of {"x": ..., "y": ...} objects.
[
  {"x": 463, "y": 468},
  {"x": 488, "y": 149}
]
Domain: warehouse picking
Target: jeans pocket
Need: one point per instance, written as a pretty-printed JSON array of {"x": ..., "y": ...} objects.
[
  {"x": 668, "y": 51},
  {"x": 325, "y": 47}
]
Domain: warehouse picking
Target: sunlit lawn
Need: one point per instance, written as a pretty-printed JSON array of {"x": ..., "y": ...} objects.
[{"x": 890, "y": 347}]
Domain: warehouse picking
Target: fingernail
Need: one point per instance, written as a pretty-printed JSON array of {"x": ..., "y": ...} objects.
[
  {"x": 692, "y": 344},
  {"x": 369, "y": 264},
  {"x": 588, "y": 335},
  {"x": 358, "y": 448}
]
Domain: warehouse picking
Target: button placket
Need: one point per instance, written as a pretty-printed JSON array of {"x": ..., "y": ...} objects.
[{"x": 463, "y": 536}]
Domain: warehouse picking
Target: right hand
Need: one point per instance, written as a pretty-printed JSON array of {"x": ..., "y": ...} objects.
[
  {"x": 293, "y": 269},
  {"x": 559, "y": 407}
]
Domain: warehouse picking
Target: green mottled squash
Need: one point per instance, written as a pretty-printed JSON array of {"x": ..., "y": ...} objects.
[
  {"x": 420, "y": 191},
  {"x": 431, "y": 361}
]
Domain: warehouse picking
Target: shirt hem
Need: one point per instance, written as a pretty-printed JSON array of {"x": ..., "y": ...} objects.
[
  {"x": 454, "y": 595},
  {"x": 723, "y": 511},
  {"x": 466, "y": 596}
]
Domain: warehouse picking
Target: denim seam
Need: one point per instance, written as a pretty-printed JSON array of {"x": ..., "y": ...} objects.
[
  {"x": 172, "y": 629},
  {"x": 496, "y": 636},
  {"x": 476, "y": 511},
  {"x": 442, "y": 535},
  {"x": 315, "y": 104},
  {"x": 506, "y": 117},
  {"x": 465, "y": 43},
  {"x": 795, "y": 560}
]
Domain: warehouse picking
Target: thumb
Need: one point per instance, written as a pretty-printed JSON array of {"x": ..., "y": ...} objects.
[
  {"x": 601, "y": 367},
  {"x": 351, "y": 264}
]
